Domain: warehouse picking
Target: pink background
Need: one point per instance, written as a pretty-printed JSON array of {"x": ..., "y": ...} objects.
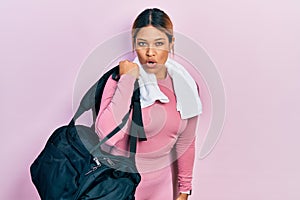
[{"x": 255, "y": 45}]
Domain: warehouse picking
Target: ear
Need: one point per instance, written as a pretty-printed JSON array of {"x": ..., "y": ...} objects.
[
  {"x": 133, "y": 44},
  {"x": 171, "y": 48}
]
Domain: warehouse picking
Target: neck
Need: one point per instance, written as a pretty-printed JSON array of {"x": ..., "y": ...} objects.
[{"x": 162, "y": 74}]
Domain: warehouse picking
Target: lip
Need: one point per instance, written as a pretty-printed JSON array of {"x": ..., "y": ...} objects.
[
  {"x": 151, "y": 63},
  {"x": 151, "y": 60}
]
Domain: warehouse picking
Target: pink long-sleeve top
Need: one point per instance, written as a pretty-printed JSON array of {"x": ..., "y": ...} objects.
[{"x": 169, "y": 137}]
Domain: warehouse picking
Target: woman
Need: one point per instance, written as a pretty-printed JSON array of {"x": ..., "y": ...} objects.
[{"x": 165, "y": 88}]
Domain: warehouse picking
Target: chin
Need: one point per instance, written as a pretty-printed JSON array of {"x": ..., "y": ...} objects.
[{"x": 150, "y": 71}]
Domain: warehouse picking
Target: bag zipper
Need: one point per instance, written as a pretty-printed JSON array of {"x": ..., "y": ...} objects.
[{"x": 98, "y": 164}]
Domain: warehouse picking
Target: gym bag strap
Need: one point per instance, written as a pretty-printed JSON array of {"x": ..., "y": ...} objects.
[
  {"x": 72, "y": 165},
  {"x": 136, "y": 128}
]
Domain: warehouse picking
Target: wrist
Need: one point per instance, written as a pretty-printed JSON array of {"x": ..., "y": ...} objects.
[{"x": 182, "y": 196}]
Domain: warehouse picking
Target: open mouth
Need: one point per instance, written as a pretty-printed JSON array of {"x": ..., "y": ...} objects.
[{"x": 151, "y": 63}]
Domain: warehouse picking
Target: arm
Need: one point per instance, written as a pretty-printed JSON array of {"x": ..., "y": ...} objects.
[
  {"x": 116, "y": 99},
  {"x": 185, "y": 150}
]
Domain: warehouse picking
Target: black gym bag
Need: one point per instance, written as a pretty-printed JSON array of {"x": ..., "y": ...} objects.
[{"x": 72, "y": 165}]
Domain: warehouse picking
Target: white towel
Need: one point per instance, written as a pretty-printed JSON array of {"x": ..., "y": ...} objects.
[{"x": 185, "y": 89}]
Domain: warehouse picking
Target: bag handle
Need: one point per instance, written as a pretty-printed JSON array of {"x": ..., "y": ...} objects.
[
  {"x": 136, "y": 127},
  {"x": 92, "y": 100}
]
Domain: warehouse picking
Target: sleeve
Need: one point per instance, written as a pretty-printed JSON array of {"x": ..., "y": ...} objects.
[
  {"x": 115, "y": 103},
  {"x": 185, "y": 150}
]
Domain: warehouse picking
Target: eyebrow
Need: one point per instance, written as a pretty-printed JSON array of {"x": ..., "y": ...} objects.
[{"x": 154, "y": 40}]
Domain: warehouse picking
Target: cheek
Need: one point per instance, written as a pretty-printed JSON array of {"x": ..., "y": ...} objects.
[
  {"x": 164, "y": 56},
  {"x": 140, "y": 54}
]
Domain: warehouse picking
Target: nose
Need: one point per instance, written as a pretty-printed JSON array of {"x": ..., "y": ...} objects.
[{"x": 150, "y": 51}]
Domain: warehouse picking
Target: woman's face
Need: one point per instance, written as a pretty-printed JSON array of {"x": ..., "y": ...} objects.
[{"x": 152, "y": 47}]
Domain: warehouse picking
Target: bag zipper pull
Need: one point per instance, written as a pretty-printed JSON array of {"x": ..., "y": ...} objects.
[
  {"x": 96, "y": 161},
  {"x": 94, "y": 168}
]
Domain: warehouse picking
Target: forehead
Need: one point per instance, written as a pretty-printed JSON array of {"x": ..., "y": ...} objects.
[{"x": 150, "y": 33}]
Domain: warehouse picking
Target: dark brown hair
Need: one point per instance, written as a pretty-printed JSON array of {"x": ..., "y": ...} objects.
[{"x": 155, "y": 17}]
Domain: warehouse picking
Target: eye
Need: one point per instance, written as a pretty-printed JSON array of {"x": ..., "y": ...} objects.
[
  {"x": 159, "y": 43},
  {"x": 142, "y": 44}
]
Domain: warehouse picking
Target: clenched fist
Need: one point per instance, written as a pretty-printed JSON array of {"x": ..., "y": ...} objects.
[{"x": 127, "y": 67}]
